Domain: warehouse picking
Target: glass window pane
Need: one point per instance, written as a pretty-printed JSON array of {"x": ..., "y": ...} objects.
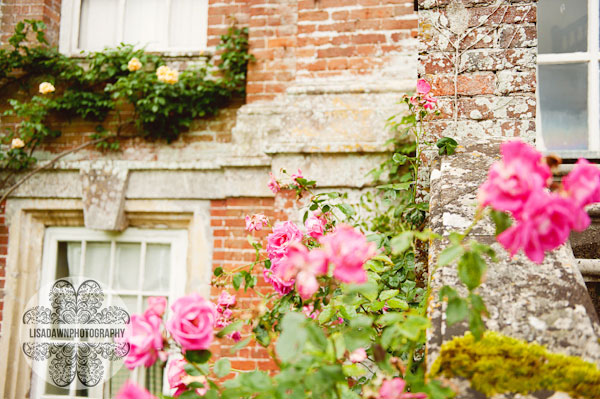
[
  {"x": 97, "y": 261},
  {"x": 127, "y": 266},
  {"x": 563, "y": 103},
  {"x": 68, "y": 259},
  {"x": 562, "y": 26},
  {"x": 156, "y": 275},
  {"x": 186, "y": 25},
  {"x": 98, "y": 24},
  {"x": 144, "y": 20}
]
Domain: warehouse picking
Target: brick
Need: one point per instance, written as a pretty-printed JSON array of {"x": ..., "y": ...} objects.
[{"x": 468, "y": 84}]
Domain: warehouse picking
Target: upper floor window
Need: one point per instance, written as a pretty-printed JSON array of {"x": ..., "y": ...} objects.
[
  {"x": 174, "y": 26},
  {"x": 568, "y": 76}
]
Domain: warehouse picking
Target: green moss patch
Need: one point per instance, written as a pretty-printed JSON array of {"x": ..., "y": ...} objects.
[{"x": 499, "y": 364}]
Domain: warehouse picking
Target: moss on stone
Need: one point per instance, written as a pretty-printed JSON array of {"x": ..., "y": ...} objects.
[{"x": 499, "y": 364}]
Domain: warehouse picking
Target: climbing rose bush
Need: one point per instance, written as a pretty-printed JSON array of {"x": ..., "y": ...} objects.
[
  {"x": 520, "y": 185},
  {"x": 345, "y": 318}
]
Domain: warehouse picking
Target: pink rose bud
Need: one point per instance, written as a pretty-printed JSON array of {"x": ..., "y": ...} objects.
[
  {"x": 157, "y": 305},
  {"x": 358, "y": 355},
  {"x": 394, "y": 389}
]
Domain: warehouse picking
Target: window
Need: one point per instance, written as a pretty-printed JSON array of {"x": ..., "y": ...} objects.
[
  {"x": 134, "y": 265},
  {"x": 568, "y": 77},
  {"x": 177, "y": 26}
]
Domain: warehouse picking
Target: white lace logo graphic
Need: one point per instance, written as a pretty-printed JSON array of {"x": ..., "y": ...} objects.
[{"x": 73, "y": 334}]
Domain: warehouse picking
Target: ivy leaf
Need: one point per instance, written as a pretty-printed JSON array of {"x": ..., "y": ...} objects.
[
  {"x": 446, "y": 146},
  {"x": 502, "y": 221},
  {"x": 222, "y": 367}
]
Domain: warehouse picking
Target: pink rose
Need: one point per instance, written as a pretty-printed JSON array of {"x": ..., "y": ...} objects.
[
  {"x": 348, "y": 249},
  {"x": 394, "y": 389},
  {"x": 511, "y": 181},
  {"x": 296, "y": 176},
  {"x": 284, "y": 233},
  {"x": 225, "y": 300},
  {"x": 358, "y": 355},
  {"x": 236, "y": 336},
  {"x": 544, "y": 224},
  {"x": 309, "y": 311},
  {"x": 256, "y": 222},
  {"x": 423, "y": 87},
  {"x": 157, "y": 305},
  {"x": 582, "y": 185},
  {"x": 280, "y": 285},
  {"x": 179, "y": 379},
  {"x": 429, "y": 102},
  {"x": 304, "y": 266},
  {"x": 273, "y": 184},
  {"x": 131, "y": 391},
  {"x": 145, "y": 340},
  {"x": 192, "y": 322},
  {"x": 315, "y": 225}
]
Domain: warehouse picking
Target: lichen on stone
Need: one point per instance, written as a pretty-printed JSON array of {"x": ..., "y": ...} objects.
[{"x": 498, "y": 364}]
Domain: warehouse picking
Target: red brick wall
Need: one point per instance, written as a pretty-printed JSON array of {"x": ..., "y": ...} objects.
[
  {"x": 3, "y": 252},
  {"x": 305, "y": 39},
  {"x": 496, "y": 79},
  {"x": 14, "y": 11},
  {"x": 232, "y": 250}
]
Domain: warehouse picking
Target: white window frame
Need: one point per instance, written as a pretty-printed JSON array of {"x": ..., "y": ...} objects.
[
  {"x": 177, "y": 239},
  {"x": 68, "y": 43},
  {"x": 592, "y": 58}
]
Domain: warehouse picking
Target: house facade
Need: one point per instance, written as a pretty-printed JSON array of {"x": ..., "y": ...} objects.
[{"x": 156, "y": 218}]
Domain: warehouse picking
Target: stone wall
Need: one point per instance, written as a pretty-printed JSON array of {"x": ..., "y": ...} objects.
[{"x": 480, "y": 56}]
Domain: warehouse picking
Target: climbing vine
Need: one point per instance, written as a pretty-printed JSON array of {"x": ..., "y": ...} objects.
[{"x": 44, "y": 84}]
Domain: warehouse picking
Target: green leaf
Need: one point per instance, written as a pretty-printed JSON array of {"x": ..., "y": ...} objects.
[
  {"x": 446, "y": 146},
  {"x": 456, "y": 311},
  {"x": 346, "y": 209},
  {"x": 476, "y": 325},
  {"x": 316, "y": 336},
  {"x": 449, "y": 254},
  {"x": 218, "y": 271},
  {"x": 191, "y": 370},
  {"x": 353, "y": 370},
  {"x": 237, "y": 280},
  {"x": 413, "y": 326},
  {"x": 397, "y": 303},
  {"x": 368, "y": 290},
  {"x": 471, "y": 268},
  {"x": 239, "y": 345},
  {"x": 326, "y": 314},
  {"x": 387, "y": 294},
  {"x": 222, "y": 367},
  {"x": 235, "y": 326},
  {"x": 293, "y": 337},
  {"x": 402, "y": 242},
  {"x": 199, "y": 356},
  {"x": 502, "y": 221}
]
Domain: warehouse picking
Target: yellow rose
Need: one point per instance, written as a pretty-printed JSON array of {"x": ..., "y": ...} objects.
[
  {"x": 46, "y": 87},
  {"x": 17, "y": 143},
  {"x": 167, "y": 75},
  {"x": 134, "y": 64}
]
